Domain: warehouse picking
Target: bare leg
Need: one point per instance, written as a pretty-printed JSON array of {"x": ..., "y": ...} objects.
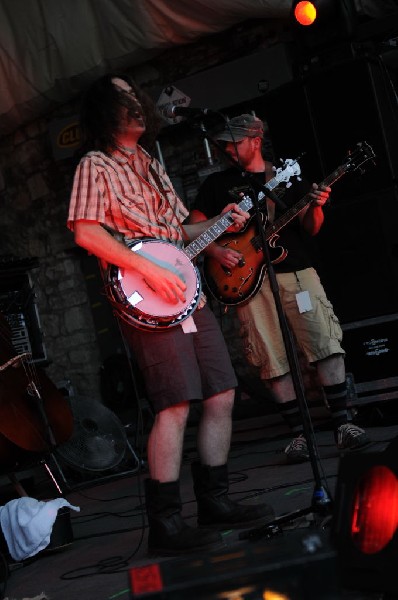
[
  {"x": 210, "y": 475},
  {"x": 282, "y": 388},
  {"x": 331, "y": 370},
  {"x": 166, "y": 441},
  {"x": 215, "y": 428}
]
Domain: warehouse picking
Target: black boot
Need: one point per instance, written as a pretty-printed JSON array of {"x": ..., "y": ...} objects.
[
  {"x": 215, "y": 509},
  {"x": 169, "y": 535}
]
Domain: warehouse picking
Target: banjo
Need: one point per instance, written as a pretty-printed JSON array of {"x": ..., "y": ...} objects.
[{"x": 140, "y": 305}]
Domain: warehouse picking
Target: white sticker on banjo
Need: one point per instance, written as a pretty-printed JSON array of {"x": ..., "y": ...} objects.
[
  {"x": 136, "y": 247},
  {"x": 135, "y": 298}
]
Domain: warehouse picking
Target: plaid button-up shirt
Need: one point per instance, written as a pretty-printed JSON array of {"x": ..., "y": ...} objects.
[{"x": 109, "y": 190}]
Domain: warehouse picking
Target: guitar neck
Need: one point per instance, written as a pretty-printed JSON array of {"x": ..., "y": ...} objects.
[
  {"x": 270, "y": 230},
  {"x": 212, "y": 233},
  {"x": 222, "y": 224}
]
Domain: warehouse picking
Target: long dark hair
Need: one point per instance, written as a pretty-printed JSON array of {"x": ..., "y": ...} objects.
[{"x": 100, "y": 113}]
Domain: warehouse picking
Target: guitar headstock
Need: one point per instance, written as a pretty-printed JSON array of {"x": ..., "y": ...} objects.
[
  {"x": 358, "y": 157},
  {"x": 290, "y": 168}
]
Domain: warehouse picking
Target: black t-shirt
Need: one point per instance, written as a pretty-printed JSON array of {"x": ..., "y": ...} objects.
[{"x": 213, "y": 195}]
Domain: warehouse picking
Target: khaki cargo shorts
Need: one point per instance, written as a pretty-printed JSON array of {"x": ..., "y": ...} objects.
[{"x": 317, "y": 331}]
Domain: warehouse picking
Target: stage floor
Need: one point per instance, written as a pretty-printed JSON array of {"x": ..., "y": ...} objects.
[{"x": 109, "y": 532}]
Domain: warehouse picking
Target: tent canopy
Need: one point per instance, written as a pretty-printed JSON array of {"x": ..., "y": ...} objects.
[{"x": 50, "y": 49}]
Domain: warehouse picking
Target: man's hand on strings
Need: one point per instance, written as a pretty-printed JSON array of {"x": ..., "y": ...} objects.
[
  {"x": 165, "y": 282},
  {"x": 312, "y": 217},
  {"x": 239, "y": 216},
  {"x": 227, "y": 257},
  {"x": 320, "y": 194}
]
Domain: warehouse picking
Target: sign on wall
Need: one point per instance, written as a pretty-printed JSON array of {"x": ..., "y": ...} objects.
[{"x": 65, "y": 137}]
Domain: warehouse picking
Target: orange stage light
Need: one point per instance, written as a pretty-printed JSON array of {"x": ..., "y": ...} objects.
[{"x": 305, "y": 13}]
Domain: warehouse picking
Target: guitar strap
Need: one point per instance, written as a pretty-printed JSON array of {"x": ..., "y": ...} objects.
[
  {"x": 269, "y": 174},
  {"x": 186, "y": 325},
  {"x": 163, "y": 192},
  {"x": 278, "y": 191},
  {"x": 270, "y": 210}
]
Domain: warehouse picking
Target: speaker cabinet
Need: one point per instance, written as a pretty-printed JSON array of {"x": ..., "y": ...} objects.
[
  {"x": 358, "y": 255},
  {"x": 371, "y": 347},
  {"x": 348, "y": 103},
  {"x": 325, "y": 115},
  {"x": 297, "y": 566}
]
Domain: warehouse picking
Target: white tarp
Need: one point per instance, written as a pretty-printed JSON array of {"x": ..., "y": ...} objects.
[{"x": 50, "y": 49}]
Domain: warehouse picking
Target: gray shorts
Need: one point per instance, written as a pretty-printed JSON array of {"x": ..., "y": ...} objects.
[
  {"x": 317, "y": 332},
  {"x": 178, "y": 366}
]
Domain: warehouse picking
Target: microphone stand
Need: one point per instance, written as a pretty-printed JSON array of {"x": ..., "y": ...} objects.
[{"x": 321, "y": 502}]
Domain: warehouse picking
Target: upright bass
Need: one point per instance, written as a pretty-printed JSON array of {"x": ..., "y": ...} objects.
[{"x": 34, "y": 415}]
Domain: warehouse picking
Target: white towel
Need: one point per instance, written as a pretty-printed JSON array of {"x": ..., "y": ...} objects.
[{"x": 27, "y": 524}]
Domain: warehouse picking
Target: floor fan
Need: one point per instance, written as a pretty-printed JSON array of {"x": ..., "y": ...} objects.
[{"x": 98, "y": 444}]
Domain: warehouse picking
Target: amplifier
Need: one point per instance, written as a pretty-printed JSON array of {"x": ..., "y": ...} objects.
[
  {"x": 18, "y": 307},
  {"x": 19, "y": 333},
  {"x": 371, "y": 347}
]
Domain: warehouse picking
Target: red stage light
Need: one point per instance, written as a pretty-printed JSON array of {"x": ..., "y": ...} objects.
[
  {"x": 375, "y": 512},
  {"x": 365, "y": 520}
]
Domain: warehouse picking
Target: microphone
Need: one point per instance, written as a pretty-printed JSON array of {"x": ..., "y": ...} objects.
[{"x": 185, "y": 111}]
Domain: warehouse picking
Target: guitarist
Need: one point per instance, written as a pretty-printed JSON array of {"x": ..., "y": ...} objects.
[
  {"x": 308, "y": 311},
  {"x": 120, "y": 191}
]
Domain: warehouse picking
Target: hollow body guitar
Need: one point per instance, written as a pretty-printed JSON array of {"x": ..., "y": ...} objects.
[
  {"x": 238, "y": 285},
  {"x": 140, "y": 305}
]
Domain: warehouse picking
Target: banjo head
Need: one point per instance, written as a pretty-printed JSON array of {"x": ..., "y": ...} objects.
[{"x": 140, "y": 304}]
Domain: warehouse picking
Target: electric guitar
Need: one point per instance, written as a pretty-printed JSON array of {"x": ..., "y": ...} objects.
[
  {"x": 139, "y": 304},
  {"x": 238, "y": 285}
]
